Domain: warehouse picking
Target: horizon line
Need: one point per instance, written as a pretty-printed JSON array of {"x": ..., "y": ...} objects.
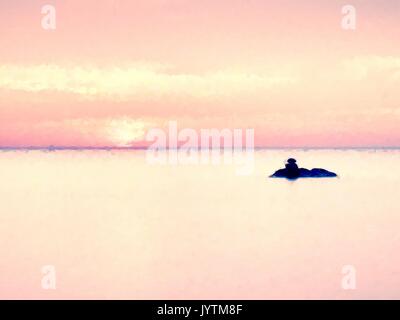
[{"x": 79, "y": 148}]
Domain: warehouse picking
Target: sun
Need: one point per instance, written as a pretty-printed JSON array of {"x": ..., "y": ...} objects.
[{"x": 123, "y": 132}]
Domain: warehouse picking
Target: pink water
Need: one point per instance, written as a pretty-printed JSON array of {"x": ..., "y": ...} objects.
[{"x": 115, "y": 227}]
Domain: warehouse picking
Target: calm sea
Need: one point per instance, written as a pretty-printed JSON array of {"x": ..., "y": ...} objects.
[{"x": 113, "y": 226}]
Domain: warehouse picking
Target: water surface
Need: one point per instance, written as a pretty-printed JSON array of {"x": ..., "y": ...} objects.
[{"x": 116, "y": 227}]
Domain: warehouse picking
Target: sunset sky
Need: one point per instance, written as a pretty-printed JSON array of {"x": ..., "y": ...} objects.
[{"x": 112, "y": 69}]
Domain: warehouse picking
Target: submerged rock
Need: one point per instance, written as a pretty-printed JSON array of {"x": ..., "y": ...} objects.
[{"x": 292, "y": 171}]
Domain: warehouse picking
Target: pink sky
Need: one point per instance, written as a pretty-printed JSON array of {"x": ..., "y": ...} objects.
[{"x": 114, "y": 68}]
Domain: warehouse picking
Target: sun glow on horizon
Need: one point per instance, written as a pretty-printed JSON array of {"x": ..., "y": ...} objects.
[{"x": 125, "y": 131}]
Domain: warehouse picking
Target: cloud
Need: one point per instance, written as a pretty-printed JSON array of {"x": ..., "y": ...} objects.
[
  {"x": 365, "y": 66},
  {"x": 143, "y": 81}
]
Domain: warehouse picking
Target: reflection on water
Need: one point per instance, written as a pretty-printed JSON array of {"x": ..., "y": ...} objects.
[{"x": 115, "y": 227}]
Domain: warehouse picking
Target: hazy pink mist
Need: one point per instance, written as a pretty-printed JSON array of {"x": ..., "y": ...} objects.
[{"x": 113, "y": 69}]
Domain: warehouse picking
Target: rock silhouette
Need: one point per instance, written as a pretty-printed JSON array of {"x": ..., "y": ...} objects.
[{"x": 292, "y": 172}]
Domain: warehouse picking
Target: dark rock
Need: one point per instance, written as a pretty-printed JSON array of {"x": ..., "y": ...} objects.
[{"x": 292, "y": 172}]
